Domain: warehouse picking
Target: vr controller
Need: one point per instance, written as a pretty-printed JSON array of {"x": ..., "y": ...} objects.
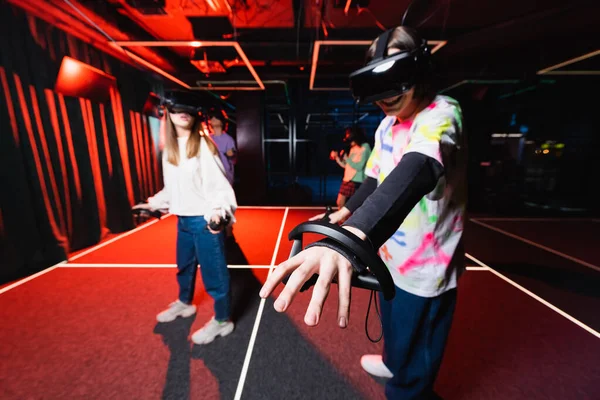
[
  {"x": 158, "y": 214},
  {"x": 139, "y": 212},
  {"x": 369, "y": 271},
  {"x": 340, "y": 153},
  {"x": 223, "y": 222}
]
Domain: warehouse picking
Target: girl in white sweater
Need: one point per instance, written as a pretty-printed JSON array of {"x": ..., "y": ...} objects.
[{"x": 197, "y": 191}]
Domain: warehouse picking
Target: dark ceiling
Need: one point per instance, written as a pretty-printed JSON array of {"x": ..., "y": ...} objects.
[{"x": 485, "y": 40}]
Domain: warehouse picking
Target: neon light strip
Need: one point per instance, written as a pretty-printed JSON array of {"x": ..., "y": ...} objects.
[
  {"x": 481, "y": 81},
  {"x": 547, "y": 71},
  {"x": 347, "y": 7},
  {"x": 173, "y": 43},
  {"x": 150, "y": 65},
  {"x": 247, "y": 62},
  {"x": 571, "y": 73},
  {"x": 216, "y": 88},
  {"x": 313, "y": 70},
  {"x": 313, "y": 67},
  {"x": 196, "y": 44}
]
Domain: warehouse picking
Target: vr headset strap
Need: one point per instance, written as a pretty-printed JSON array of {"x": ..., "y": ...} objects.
[{"x": 382, "y": 43}]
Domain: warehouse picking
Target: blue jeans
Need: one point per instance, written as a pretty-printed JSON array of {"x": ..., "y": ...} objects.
[
  {"x": 415, "y": 330},
  {"x": 197, "y": 245}
]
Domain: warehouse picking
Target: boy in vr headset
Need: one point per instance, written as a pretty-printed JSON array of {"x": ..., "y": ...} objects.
[{"x": 410, "y": 207}]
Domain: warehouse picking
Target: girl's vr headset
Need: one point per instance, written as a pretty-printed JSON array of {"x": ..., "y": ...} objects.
[
  {"x": 389, "y": 75},
  {"x": 178, "y": 101}
]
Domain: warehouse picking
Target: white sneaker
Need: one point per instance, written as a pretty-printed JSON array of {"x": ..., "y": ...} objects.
[
  {"x": 211, "y": 330},
  {"x": 374, "y": 365},
  {"x": 176, "y": 309}
]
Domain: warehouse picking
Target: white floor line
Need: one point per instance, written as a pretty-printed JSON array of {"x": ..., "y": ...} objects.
[
  {"x": 261, "y": 207},
  {"x": 242, "y": 380},
  {"x": 284, "y": 208},
  {"x": 121, "y": 236},
  {"x": 534, "y": 219},
  {"x": 551, "y": 250},
  {"x": 544, "y": 302},
  {"x": 24, "y": 280},
  {"x": 84, "y": 265}
]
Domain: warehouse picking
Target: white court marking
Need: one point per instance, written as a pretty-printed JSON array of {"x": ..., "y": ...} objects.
[
  {"x": 284, "y": 208},
  {"x": 29, "y": 278},
  {"x": 261, "y": 307},
  {"x": 122, "y": 235},
  {"x": 536, "y": 297},
  {"x": 84, "y": 265},
  {"x": 541, "y": 246},
  {"x": 230, "y": 266}
]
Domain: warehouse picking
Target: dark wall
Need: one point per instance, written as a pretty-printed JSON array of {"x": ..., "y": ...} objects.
[
  {"x": 250, "y": 168},
  {"x": 555, "y": 111},
  {"x": 71, "y": 168}
]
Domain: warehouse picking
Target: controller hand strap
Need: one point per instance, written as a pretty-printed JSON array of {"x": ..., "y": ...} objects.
[{"x": 357, "y": 265}]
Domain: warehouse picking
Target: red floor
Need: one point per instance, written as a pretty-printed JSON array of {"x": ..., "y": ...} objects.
[
  {"x": 81, "y": 332},
  {"x": 91, "y": 333},
  {"x": 294, "y": 218},
  {"x": 256, "y": 232}
]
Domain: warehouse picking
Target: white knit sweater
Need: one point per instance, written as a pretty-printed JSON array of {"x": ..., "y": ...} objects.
[{"x": 197, "y": 186}]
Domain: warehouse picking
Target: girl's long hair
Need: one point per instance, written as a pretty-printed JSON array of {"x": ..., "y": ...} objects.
[{"x": 193, "y": 143}]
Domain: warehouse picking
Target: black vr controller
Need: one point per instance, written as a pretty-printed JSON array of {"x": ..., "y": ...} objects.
[
  {"x": 224, "y": 221},
  {"x": 139, "y": 212},
  {"x": 369, "y": 270}
]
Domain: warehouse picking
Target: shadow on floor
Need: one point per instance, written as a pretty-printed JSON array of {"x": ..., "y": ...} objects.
[{"x": 270, "y": 376}]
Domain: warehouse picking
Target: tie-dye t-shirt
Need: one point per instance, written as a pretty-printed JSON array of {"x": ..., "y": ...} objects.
[{"x": 425, "y": 254}]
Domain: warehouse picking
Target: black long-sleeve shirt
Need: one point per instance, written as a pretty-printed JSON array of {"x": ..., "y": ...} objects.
[{"x": 379, "y": 211}]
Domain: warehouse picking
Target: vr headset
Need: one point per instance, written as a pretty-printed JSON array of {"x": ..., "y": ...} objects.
[
  {"x": 177, "y": 101},
  {"x": 389, "y": 75}
]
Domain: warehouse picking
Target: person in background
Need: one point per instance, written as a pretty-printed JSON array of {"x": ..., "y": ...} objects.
[
  {"x": 353, "y": 163},
  {"x": 225, "y": 144}
]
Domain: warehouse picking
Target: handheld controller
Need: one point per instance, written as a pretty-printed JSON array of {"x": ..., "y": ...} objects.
[
  {"x": 224, "y": 221},
  {"x": 369, "y": 270},
  {"x": 158, "y": 214}
]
